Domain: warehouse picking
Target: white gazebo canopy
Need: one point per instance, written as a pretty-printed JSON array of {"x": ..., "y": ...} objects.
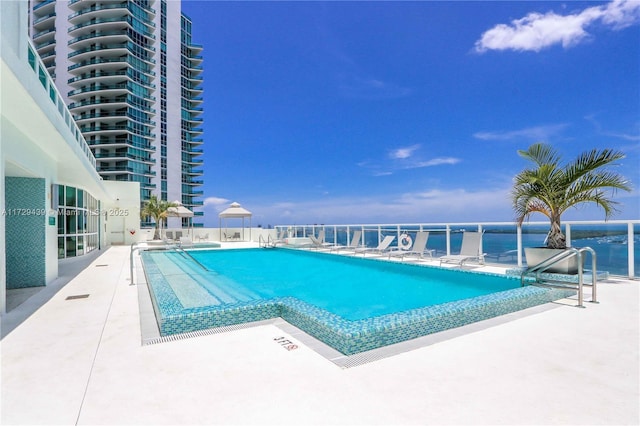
[{"x": 234, "y": 211}]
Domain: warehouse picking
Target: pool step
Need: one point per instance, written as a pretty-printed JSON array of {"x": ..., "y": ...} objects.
[{"x": 195, "y": 287}]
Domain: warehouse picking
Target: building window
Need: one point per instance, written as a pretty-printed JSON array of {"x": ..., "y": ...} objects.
[{"x": 78, "y": 222}]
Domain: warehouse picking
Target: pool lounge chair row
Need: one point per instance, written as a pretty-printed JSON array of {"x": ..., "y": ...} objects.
[{"x": 470, "y": 249}]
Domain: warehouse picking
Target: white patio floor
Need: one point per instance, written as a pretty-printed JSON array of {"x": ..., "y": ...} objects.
[{"x": 81, "y": 361}]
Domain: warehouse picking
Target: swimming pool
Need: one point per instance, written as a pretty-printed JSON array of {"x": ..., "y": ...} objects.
[{"x": 351, "y": 304}]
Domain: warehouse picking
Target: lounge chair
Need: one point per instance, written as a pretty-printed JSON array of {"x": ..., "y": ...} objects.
[
  {"x": 418, "y": 249},
  {"x": 168, "y": 236},
  {"x": 354, "y": 243},
  {"x": 381, "y": 248},
  {"x": 186, "y": 242},
  {"x": 470, "y": 250},
  {"x": 280, "y": 239},
  {"x": 204, "y": 237},
  {"x": 319, "y": 242}
]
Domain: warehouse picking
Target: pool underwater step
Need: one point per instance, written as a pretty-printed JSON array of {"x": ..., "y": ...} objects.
[{"x": 195, "y": 287}]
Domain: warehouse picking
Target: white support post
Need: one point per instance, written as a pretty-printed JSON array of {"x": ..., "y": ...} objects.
[
  {"x": 448, "y": 240},
  {"x": 519, "y": 244},
  {"x": 567, "y": 234},
  {"x": 630, "y": 248}
]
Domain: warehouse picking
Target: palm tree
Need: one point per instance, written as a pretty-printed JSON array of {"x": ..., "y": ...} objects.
[
  {"x": 551, "y": 189},
  {"x": 157, "y": 210}
]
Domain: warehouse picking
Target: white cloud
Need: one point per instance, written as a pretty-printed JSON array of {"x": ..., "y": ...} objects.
[
  {"x": 402, "y": 153},
  {"x": 538, "y": 31},
  {"x": 428, "y": 206},
  {"x": 619, "y": 135},
  {"x": 536, "y": 133},
  {"x": 215, "y": 201},
  {"x": 436, "y": 162}
]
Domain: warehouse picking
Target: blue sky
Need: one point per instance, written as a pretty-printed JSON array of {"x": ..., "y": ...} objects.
[{"x": 395, "y": 112}]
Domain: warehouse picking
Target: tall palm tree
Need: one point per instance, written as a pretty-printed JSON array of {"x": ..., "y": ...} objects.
[
  {"x": 551, "y": 189},
  {"x": 157, "y": 210}
]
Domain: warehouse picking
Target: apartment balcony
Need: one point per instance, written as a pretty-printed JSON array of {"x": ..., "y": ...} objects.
[
  {"x": 123, "y": 157},
  {"x": 193, "y": 131},
  {"x": 44, "y": 7},
  {"x": 193, "y": 90},
  {"x": 45, "y": 46},
  {"x": 113, "y": 50},
  {"x": 187, "y": 149},
  {"x": 42, "y": 23},
  {"x": 105, "y": 77},
  {"x": 192, "y": 161},
  {"x": 107, "y": 90},
  {"x": 100, "y": 11},
  {"x": 78, "y": 107},
  {"x": 193, "y": 110},
  {"x": 110, "y": 117},
  {"x": 80, "y": 4},
  {"x": 44, "y": 35},
  {"x": 196, "y": 48},
  {"x": 192, "y": 182},
  {"x": 101, "y": 64},
  {"x": 120, "y": 142},
  {"x": 111, "y": 129},
  {"x": 111, "y": 24},
  {"x": 111, "y": 170},
  {"x": 104, "y": 89},
  {"x": 197, "y": 120},
  {"x": 194, "y": 142},
  {"x": 192, "y": 172},
  {"x": 104, "y": 37}
]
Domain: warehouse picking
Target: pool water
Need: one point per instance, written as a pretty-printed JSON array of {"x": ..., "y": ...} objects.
[
  {"x": 351, "y": 304},
  {"x": 353, "y": 288}
]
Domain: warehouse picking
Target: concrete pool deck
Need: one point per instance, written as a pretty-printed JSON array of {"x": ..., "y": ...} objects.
[{"x": 81, "y": 361}]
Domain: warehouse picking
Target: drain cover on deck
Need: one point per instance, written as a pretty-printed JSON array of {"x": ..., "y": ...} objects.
[
  {"x": 79, "y": 296},
  {"x": 97, "y": 266}
]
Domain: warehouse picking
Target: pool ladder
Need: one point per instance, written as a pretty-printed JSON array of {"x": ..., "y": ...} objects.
[
  {"x": 268, "y": 243},
  {"x": 549, "y": 281}
]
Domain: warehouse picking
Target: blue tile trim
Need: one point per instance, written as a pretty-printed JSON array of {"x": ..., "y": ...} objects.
[
  {"x": 25, "y": 231},
  {"x": 348, "y": 337}
]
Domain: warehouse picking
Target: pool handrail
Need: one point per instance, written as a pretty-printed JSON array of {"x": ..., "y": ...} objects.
[{"x": 568, "y": 253}]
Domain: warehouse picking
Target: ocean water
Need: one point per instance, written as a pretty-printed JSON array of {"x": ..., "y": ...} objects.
[{"x": 499, "y": 243}]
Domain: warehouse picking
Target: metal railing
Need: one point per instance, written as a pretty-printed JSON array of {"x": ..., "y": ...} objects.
[
  {"x": 555, "y": 280},
  {"x": 503, "y": 242}
]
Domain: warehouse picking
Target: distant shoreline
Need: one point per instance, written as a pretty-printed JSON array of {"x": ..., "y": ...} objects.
[{"x": 576, "y": 234}]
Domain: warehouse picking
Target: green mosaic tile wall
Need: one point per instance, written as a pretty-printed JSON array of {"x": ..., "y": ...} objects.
[{"x": 25, "y": 226}]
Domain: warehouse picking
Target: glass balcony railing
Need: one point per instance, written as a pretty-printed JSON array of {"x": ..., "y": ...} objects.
[
  {"x": 49, "y": 86},
  {"x": 616, "y": 242}
]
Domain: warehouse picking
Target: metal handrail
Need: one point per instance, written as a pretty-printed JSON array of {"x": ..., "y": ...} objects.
[
  {"x": 570, "y": 252},
  {"x": 137, "y": 246},
  {"x": 187, "y": 254},
  {"x": 266, "y": 244}
]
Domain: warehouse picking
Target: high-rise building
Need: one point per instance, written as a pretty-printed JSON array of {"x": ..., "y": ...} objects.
[{"x": 131, "y": 77}]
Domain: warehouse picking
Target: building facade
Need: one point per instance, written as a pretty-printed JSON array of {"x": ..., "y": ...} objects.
[
  {"x": 53, "y": 203},
  {"x": 131, "y": 77}
]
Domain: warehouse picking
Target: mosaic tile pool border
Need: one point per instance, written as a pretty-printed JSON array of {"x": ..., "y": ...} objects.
[{"x": 348, "y": 337}]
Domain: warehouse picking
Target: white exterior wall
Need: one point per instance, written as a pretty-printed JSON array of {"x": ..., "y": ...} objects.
[
  {"x": 174, "y": 108},
  {"x": 122, "y": 210},
  {"x": 37, "y": 142}
]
